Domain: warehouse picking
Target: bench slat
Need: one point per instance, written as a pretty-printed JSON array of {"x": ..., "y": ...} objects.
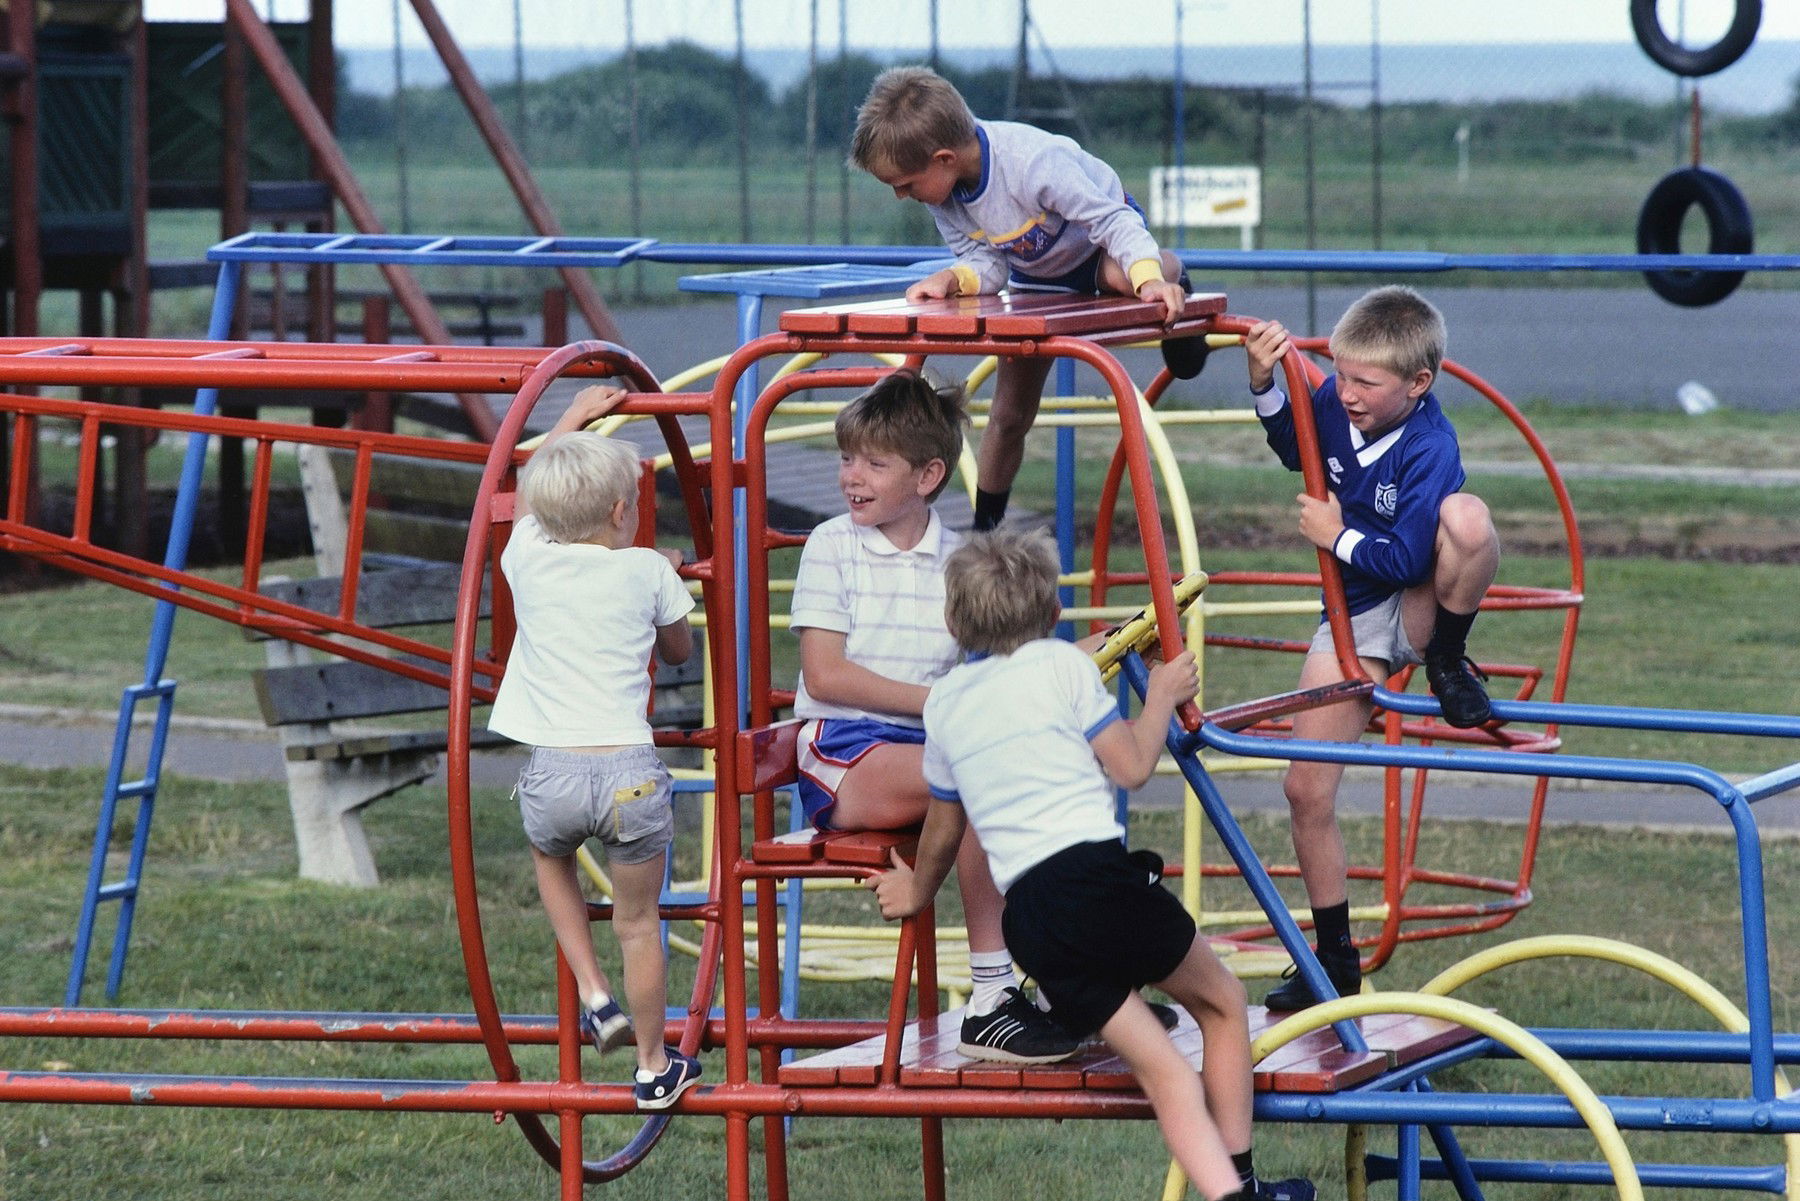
[
  {"x": 340, "y": 690},
  {"x": 404, "y": 596},
  {"x": 1094, "y": 315}
]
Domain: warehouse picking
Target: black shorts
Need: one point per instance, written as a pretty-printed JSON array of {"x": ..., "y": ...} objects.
[{"x": 1090, "y": 926}]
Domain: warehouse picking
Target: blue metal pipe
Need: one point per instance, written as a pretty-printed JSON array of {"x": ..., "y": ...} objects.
[
  {"x": 1534, "y": 1110},
  {"x": 1255, "y": 875},
  {"x": 1749, "y": 849},
  {"x": 1772, "y": 1179},
  {"x": 1616, "y": 717}
]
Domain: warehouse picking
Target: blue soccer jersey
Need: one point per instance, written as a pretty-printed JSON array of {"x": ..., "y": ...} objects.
[{"x": 1389, "y": 490}]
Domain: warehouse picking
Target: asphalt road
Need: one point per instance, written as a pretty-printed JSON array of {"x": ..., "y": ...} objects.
[
  {"x": 242, "y": 750},
  {"x": 1597, "y": 346}
]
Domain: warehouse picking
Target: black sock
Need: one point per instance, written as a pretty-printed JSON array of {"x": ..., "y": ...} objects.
[
  {"x": 1450, "y": 636},
  {"x": 1331, "y": 927},
  {"x": 1246, "y": 1170},
  {"x": 990, "y": 507}
]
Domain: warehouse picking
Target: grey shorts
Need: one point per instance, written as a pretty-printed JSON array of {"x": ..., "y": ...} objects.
[
  {"x": 1380, "y": 634},
  {"x": 620, "y": 797}
]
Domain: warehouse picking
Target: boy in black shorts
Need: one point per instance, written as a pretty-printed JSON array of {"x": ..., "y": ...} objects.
[{"x": 1019, "y": 742}]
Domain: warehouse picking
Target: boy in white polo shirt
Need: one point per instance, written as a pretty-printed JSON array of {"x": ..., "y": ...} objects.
[
  {"x": 1016, "y": 740},
  {"x": 589, "y": 607},
  {"x": 869, "y": 608}
]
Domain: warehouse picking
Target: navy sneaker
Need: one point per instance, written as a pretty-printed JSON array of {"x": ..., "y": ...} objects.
[
  {"x": 1295, "y": 1188},
  {"x": 1456, "y": 682},
  {"x": 1344, "y": 968},
  {"x": 606, "y": 1027},
  {"x": 1166, "y": 1014},
  {"x": 659, "y": 1090},
  {"x": 1016, "y": 1032}
]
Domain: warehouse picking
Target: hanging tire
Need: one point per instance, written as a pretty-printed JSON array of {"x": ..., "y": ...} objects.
[
  {"x": 1728, "y": 228},
  {"x": 1666, "y": 52}
]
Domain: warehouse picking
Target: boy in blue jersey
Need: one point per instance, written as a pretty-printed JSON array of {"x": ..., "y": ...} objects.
[
  {"x": 1418, "y": 555},
  {"x": 1021, "y": 209}
]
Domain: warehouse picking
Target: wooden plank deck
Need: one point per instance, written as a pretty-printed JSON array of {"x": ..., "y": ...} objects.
[
  {"x": 1105, "y": 319},
  {"x": 1315, "y": 1063}
]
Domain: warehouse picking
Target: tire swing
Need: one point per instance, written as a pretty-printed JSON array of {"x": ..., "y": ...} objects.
[
  {"x": 1728, "y": 228},
  {"x": 1703, "y": 60}
]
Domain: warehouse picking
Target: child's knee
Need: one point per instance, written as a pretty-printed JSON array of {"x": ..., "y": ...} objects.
[
  {"x": 1308, "y": 797},
  {"x": 1464, "y": 520}
]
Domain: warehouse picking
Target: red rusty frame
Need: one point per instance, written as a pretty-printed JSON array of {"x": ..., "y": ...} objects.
[
  {"x": 1400, "y": 870},
  {"x": 723, "y": 961}
]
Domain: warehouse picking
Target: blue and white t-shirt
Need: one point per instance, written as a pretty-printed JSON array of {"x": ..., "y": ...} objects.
[{"x": 1389, "y": 489}]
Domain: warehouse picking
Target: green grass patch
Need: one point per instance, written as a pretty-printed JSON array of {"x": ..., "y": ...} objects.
[{"x": 225, "y": 924}]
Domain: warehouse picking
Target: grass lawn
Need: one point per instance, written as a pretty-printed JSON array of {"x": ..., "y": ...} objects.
[{"x": 224, "y": 924}]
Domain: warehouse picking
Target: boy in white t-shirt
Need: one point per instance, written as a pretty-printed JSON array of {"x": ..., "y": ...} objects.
[
  {"x": 1019, "y": 743},
  {"x": 869, "y": 608},
  {"x": 589, "y": 607}
]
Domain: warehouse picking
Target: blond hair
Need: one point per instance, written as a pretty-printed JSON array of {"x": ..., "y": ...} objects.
[
  {"x": 1392, "y": 327},
  {"x": 906, "y": 414},
  {"x": 572, "y": 485},
  {"x": 1000, "y": 591},
  {"x": 909, "y": 114}
]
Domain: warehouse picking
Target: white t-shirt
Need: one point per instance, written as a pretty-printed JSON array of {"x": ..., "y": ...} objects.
[
  {"x": 887, "y": 602},
  {"x": 579, "y": 673},
  {"x": 1007, "y": 737}
]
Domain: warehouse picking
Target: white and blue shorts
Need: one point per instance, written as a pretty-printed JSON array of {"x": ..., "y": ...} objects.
[{"x": 831, "y": 746}]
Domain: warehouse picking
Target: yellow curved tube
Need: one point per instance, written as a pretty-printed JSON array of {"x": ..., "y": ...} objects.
[
  {"x": 1514, "y": 1037},
  {"x": 1660, "y": 967}
]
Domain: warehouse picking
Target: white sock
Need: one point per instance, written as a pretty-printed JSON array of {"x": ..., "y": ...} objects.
[
  {"x": 597, "y": 1000},
  {"x": 990, "y": 975}
]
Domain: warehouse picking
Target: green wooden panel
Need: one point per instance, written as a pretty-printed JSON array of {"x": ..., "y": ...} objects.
[
  {"x": 84, "y": 141},
  {"x": 186, "y": 61}
]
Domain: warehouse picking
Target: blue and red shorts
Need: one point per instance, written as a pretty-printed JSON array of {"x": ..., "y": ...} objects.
[{"x": 831, "y": 746}]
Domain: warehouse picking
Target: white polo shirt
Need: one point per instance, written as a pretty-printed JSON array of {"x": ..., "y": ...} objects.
[
  {"x": 1006, "y": 737},
  {"x": 578, "y": 674},
  {"x": 887, "y": 602}
]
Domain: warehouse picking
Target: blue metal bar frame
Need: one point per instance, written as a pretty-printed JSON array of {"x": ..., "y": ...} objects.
[
  {"x": 156, "y": 657},
  {"x": 614, "y": 252}
]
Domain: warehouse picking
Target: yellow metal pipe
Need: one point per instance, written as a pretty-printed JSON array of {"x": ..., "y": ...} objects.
[{"x": 1514, "y": 1037}]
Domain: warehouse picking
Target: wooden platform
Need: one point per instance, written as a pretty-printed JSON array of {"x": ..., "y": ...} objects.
[
  {"x": 1102, "y": 319},
  {"x": 1312, "y": 1064}
]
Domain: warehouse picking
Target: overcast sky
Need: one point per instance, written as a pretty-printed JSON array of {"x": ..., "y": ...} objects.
[{"x": 1066, "y": 24}]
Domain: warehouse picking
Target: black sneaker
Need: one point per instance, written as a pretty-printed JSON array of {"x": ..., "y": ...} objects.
[
  {"x": 659, "y": 1090},
  {"x": 606, "y": 1027},
  {"x": 1456, "y": 682},
  {"x": 1343, "y": 968},
  {"x": 1295, "y": 1188},
  {"x": 1185, "y": 357},
  {"x": 1165, "y": 1014},
  {"x": 1016, "y": 1032}
]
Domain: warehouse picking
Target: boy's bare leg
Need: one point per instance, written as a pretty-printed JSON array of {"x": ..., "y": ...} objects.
[
  {"x": 1439, "y": 612},
  {"x": 1312, "y": 788},
  {"x": 1175, "y": 1093},
  {"x": 1018, "y": 387},
  {"x": 886, "y": 790},
  {"x": 636, "y": 888},
  {"x": 560, "y": 889}
]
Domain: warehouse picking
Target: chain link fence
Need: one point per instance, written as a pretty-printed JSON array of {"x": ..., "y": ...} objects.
[{"x": 727, "y": 120}]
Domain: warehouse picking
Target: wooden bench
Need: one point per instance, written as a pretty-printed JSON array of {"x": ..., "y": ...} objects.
[{"x": 334, "y": 771}]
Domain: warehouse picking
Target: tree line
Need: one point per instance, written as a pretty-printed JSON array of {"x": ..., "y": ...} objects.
[{"x": 689, "y": 99}]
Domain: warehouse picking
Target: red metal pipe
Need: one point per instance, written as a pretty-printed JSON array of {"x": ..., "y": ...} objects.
[
  {"x": 512, "y": 164},
  {"x": 336, "y": 169}
]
